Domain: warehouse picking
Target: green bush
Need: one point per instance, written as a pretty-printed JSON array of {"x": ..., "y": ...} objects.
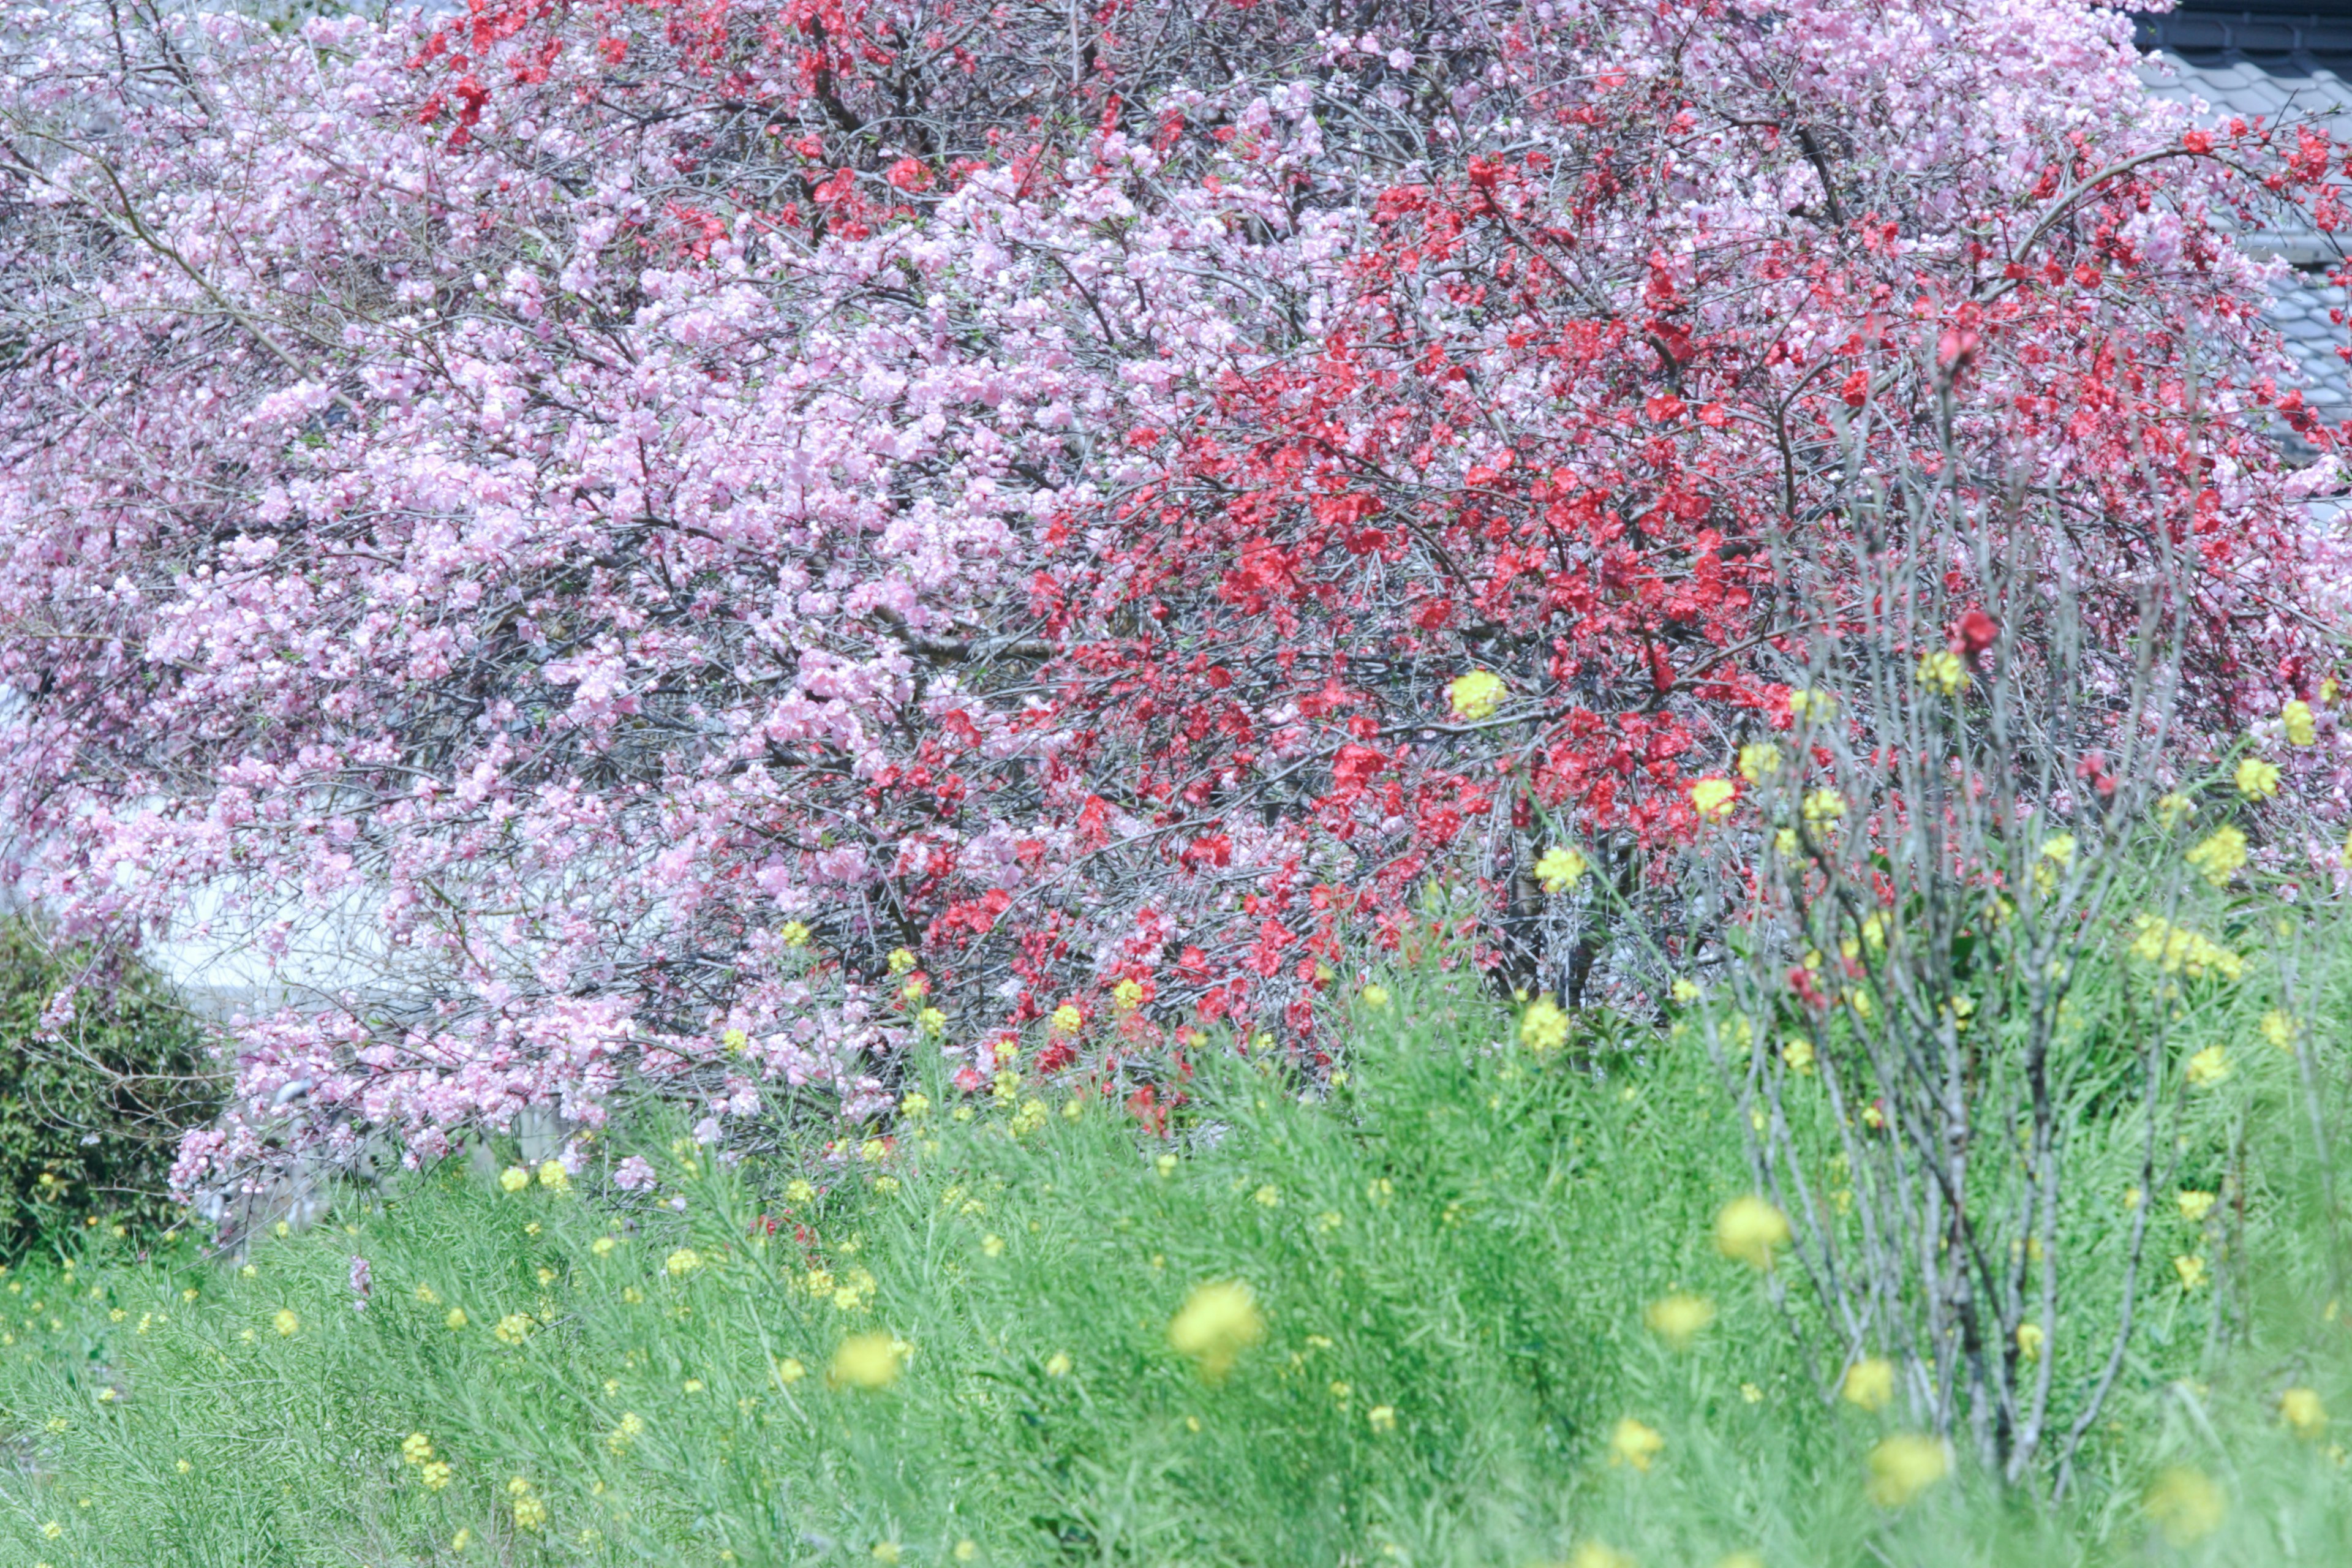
[{"x": 90, "y": 1110}]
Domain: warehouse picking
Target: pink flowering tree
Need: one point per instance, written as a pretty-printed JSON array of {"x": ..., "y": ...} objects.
[{"x": 719, "y": 545}]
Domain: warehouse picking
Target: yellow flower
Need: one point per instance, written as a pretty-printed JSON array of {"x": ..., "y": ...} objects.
[
  {"x": 794, "y": 934},
  {"x": 1799, "y": 1054},
  {"x": 683, "y": 1261},
  {"x": 1633, "y": 1443},
  {"x": 1383, "y": 1417},
  {"x": 287, "y": 1323},
  {"x": 1560, "y": 868},
  {"x": 799, "y": 1191},
  {"x": 1058, "y": 1364},
  {"x": 514, "y": 1328},
  {"x": 553, "y": 1177},
  {"x": 602, "y": 1245},
  {"x": 1594, "y": 1554},
  {"x": 1127, "y": 995},
  {"x": 2209, "y": 1066},
  {"x": 2172, "y": 808},
  {"x": 886, "y": 1552},
  {"x": 1268, "y": 1196},
  {"x": 530, "y": 1511},
  {"x": 734, "y": 1040},
  {"x": 991, "y": 1245},
  {"x": 2218, "y": 854},
  {"x": 1685, "y": 991},
  {"x": 869, "y": 1361},
  {"x": 2278, "y": 1028},
  {"x": 1712, "y": 798},
  {"x": 2195, "y": 1205},
  {"x": 435, "y": 1475},
  {"x": 966, "y": 1550},
  {"x": 1751, "y": 1393},
  {"x": 2030, "y": 1339},
  {"x": 1376, "y": 995},
  {"x": 2186, "y": 1505},
  {"x": 1942, "y": 671},
  {"x": 1785, "y": 842},
  {"x": 1869, "y": 1383},
  {"x": 1748, "y": 1229},
  {"x": 1903, "y": 1466},
  {"x": 1758, "y": 758},
  {"x": 931, "y": 1021},
  {"x": 2192, "y": 1270},
  {"x": 902, "y": 959},
  {"x": 1543, "y": 1027},
  {"x": 456, "y": 1318},
  {"x": 1824, "y": 805},
  {"x": 1218, "y": 1321},
  {"x": 2175, "y": 949},
  {"x": 2300, "y": 727},
  {"x": 416, "y": 1448},
  {"x": 1476, "y": 695},
  {"x": 462, "y": 1540},
  {"x": 789, "y": 1371},
  {"x": 514, "y": 1179},
  {"x": 52, "y": 1530},
  {"x": 2257, "y": 779},
  {"x": 1678, "y": 1319},
  {"x": 2305, "y": 1415},
  {"x": 1066, "y": 1019},
  {"x": 1820, "y": 704}
]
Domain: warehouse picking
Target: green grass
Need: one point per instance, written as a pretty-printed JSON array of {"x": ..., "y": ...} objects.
[{"x": 1460, "y": 1238}]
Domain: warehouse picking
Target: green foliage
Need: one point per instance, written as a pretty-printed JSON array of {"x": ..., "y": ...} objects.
[
  {"x": 88, "y": 1111},
  {"x": 1447, "y": 1254}
]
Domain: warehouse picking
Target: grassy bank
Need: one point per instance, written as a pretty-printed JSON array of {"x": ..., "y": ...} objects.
[{"x": 1409, "y": 1319}]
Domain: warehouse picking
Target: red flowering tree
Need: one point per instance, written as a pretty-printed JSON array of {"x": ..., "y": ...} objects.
[{"x": 644, "y": 525}]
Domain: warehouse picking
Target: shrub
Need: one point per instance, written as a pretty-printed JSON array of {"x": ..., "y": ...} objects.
[{"x": 95, "y": 1091}]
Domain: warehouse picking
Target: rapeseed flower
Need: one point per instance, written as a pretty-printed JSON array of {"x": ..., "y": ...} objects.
[
  {"x": 2303, "y": 1413},
  {"x": 1594, "y": 1554},
  {"x": 1903, "y": 1466},
  {"x": 2256, "y": 779},
  {"x": 2301, "y": 727},
  {"x": 553, "y": 1177},
  {"x": 1748, "y": 1229},
  {"x": 1560, "y": 868},
  {"x": 416, "y": 1448},
  {"x": 1712, "y": 798},
  {"x": 1058, "y": 1364},
  {"x": 529, "y": 1508},
  {"x": 2175, "y": 949},
  {"x": 1824, "y": 805},
  {"x": 2186, "y": 1505},
  {"x": 2190, "y": 1266},
  {"x": 1942, "y": 671},
  {"x": 2172, "y": 808},
  {"x": 789, "y": 1371},
  {"x": 1476, "y": 695},
  {"x": 2029, "y": 1339},
  {"x": 1383, "y": 1417},
  {"x": 2195, "y": 1205},
  {"x": 1218, "y": 1321},
  {"x": 2209, "y": 1066},
  {"x": 433, "y": 1474},
  {"x": 869, "y": 1361},
  {"x": 1869, "y": 1383},
  {"x": 1758, "y": 758},
  {"x": 1634, "y": 1443},
  {"x": 514, "y": 1178},
  {"x": 2278, "y": 1028},
  {"x": 1066, "y": 1019},
  {"x": 456, "y": 1318},
  {"x": 794, "y": 934},
  {"x": 514, "y": 1328},
  {"x": 682, "y": 1262},
  {"x": 1678, "y": 1319},
  {"x": 1375, "y": 996},
  {"x": 2218, "y": 855},
  {"x": 1543, "y": 1027},
  {"x": 286, "y": 1322}
]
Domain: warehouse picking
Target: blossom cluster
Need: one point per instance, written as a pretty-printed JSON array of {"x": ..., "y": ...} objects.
[{"x": 626, "y": 521}]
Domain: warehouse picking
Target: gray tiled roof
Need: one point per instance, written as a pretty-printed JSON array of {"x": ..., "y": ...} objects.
[{"x": 2217, "y": 77}]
